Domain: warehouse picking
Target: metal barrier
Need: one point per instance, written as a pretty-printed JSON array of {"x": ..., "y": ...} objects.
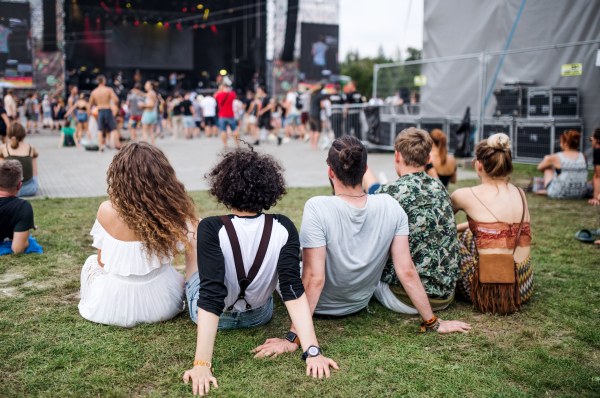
[{"x": 349, "y": 120}]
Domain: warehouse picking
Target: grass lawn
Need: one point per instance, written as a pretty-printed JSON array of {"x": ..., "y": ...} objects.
[{"x": 551, "y": 348}]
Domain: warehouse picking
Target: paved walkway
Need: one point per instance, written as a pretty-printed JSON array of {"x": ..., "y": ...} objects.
[{"x": 74, "y": 172}]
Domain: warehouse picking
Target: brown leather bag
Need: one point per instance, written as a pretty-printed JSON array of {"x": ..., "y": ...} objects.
[{"x": 495, "y": 283}]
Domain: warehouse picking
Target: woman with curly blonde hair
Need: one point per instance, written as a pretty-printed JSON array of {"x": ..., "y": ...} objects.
[{"x": 148, "y": 218}]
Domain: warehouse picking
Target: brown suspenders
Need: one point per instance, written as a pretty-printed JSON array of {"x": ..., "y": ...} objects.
[{"x": 243, "y": 280}]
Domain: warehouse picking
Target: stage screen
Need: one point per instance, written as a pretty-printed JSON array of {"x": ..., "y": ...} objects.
[
  {"x": 319, "y": 50},
  {"x": 15, "y": 45},
  {"x": 150, "y": 46}
]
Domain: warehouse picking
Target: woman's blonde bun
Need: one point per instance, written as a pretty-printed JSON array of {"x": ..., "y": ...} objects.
[{"x": 499, "y": 141}]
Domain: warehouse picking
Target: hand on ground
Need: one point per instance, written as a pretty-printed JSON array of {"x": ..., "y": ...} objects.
[
  {"x": 201, "y": 378},
  {"x": 594, "y": 202},
  {"x": 274, "y": 347},
  {"x": 453, "y": 326},
  {"x": 319, "y": 366}
]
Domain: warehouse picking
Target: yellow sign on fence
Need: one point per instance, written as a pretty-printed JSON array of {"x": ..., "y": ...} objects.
[
  {"x": 420, "y": 80},
  {"x": 571, "y": 69}
]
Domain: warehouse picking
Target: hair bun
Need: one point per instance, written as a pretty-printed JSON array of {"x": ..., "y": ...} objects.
[
  {"x": 500, "y": 142},
  {"x": 350, "y": 156}
]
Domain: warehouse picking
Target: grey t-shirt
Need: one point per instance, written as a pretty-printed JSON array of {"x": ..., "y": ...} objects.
[
  {"x": 358, "y": 245},
  {"x": 134, "y": 99}
]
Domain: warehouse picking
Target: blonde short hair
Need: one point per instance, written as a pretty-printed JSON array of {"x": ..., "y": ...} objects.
[{"x": 414, "y": 145}]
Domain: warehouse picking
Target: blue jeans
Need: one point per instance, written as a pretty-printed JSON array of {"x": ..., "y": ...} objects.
[
  {"x": 228, "y": 320},
  {"x": 224, "y": 121},
  {"x": 29, "y": 188}
]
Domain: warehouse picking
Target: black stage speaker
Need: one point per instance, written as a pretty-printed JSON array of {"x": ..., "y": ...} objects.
[
  {"x": 287, "y": 55},
  {"x": 49, "y": 8}
]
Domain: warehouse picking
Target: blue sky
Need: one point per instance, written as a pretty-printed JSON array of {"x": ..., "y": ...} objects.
[{"x": 367, "y": 24}]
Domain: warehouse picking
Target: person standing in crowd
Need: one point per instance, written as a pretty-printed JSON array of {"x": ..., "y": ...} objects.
[
  {"x": 150, "y": 115},
  {"x": 305, "y": 100},
  {"x": 209, "y": 114},
  {"x": 26, "y": 154},
  {"x": 177, "y": 115},
  {"x": 227, "y": 123},
  {"x": 325, "y": 116},
  {"x": 46, "y": 112},
  {"x": 102, "y": 97},
  {"x": 595, "y": 139},
  {"x": 72, "y": 99},
  {"x": 498, "y": 226},
  {"x": 444, "y": 164},
  {"x": 59, "y": 113},
  {"x": 264, "y": 114},
  {"x": 4, "y": 122},
  {"x": 134, "y": 98},
  {"x": 353, "y": 123},
  {"x": 16, "y": 215},
  {"x": 10, "y": 104},
  {"x": 188, "y": 115},
  {"x": 432, "y": 229},
  {"x": 53, "y": 103},
  {"x": 252, "y": 105},
  {"x": 293, "y": 124},
  {"x": 565, "y": 173},
  {"x": 316, "y": 104},
  {"x": 81, "y": 109},
  {"x": 247, "y": 183},
  {"x": 148, "y": 219},
  {"x": 197, "y": 114},
  {"x": 337, "y": 98},
  {"x": 31, "y": 112}
]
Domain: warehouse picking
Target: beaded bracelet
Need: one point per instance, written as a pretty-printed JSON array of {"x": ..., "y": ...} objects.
[
  {"x": 431, "y": 325},
  {"x": 203, "y": 363}
]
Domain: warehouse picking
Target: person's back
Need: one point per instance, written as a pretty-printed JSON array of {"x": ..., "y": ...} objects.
[
  {"x": 102, "y": 96},
  {"x": 131, "y": 280},
  {"x": 444, "y": 164},
  {"x": 26, "y": 154},
  {"x": 498, "y": 224},
  {"x": 358, "y": 242},
  {"x": 209, "y": 106},
  {"x": 224, "y": 100}
]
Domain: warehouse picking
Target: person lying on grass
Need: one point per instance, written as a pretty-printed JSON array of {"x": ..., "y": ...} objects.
[
  {"x": 16, "y": 214},
  {"x": 346, "y": 240},
  {"x": 240, "y": 258}
]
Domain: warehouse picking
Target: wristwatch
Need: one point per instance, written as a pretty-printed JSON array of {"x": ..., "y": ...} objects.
[
  {"x": 292, "y": 338},
  {"x": 313, "y": 351}
]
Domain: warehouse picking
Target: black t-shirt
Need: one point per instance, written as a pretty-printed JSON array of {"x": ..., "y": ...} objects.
[
  {"x": 354, "y": 98},
  {"x": 315, "y": 105},
  {"x": 265, "y": 102},
  {"x": 2, "y": 123},
  {"x": 337, "y": 99},
  {"x": 185, "y": 105},
  {"x": 177, "y": 108},
  {"x": 16, "y": 215},
  {"x": 597, "y": 157}
]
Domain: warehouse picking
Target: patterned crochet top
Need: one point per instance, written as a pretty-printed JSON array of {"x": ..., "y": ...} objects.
[{"x": 494, "y": 235}]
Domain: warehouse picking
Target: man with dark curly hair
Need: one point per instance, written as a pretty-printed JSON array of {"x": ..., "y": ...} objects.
[
  {"x": 241, "y": 257},
  {"x": 346, "y": 240}
]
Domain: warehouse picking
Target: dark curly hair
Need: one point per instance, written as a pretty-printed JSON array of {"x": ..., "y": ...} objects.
[
  {"x": 246, "y": 180},
  {"x": 348, "y": 159}
]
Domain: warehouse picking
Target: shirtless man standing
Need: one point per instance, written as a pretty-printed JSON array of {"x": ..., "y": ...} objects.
[
  {"x": 150, "y": 116},
  {"x": 102, "y": 97}
]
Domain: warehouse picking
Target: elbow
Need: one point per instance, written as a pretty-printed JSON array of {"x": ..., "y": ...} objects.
[{"x": 314, "y": 282}]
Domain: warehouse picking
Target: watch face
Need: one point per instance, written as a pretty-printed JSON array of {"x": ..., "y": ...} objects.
[{"x": 313, "y": 351}]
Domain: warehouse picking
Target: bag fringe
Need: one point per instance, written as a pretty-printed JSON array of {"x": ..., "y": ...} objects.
[{"x": 503, "y": 299}]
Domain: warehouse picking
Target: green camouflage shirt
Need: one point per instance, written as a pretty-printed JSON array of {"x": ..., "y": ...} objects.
[{"x": 433, "y": 242}]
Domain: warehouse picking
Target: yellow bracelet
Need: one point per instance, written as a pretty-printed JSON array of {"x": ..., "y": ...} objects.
[{"x": 204, "y": 363}]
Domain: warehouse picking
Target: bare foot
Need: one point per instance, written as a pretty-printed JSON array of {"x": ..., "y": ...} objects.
[{"x": 542, "y": 192}]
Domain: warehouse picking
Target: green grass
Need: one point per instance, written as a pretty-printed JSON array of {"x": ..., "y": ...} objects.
[{"x": 552, "y": 348}]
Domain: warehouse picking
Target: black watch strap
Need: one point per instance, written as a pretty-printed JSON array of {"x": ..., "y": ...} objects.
[{"x": 292, "y": 338}]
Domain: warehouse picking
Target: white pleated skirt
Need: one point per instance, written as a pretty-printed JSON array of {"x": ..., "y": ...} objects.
[{"x": 126, "y": 301}]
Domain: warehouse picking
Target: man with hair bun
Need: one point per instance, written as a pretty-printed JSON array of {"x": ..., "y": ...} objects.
[
  {"x": 16, "y": 215},
  {"x": 346, "y": 240}
]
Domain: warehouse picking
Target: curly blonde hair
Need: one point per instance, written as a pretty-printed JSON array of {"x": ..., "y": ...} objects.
[{"x": 149, "y": 198}]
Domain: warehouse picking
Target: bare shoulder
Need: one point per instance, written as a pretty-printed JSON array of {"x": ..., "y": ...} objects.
[
  {"x": 452, "y": 160},
  {"x": 106, "y": 212}
]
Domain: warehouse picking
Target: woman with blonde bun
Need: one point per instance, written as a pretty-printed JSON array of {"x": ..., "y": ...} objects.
[{"x": 497, "y": 228}]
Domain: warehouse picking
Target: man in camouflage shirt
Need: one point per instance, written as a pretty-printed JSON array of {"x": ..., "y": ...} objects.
[{"x": 432, "y": 230}]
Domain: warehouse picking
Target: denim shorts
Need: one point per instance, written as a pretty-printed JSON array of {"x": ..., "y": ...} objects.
[
  {"x": 224, "y": 121},
  {"x": 229, "y": 320},
  {"x": 29, "y": 188},
  {"x": 149, "y": 117},
  {"x": 188, "y": 122},
  {"x": 292, "y": 120}
]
